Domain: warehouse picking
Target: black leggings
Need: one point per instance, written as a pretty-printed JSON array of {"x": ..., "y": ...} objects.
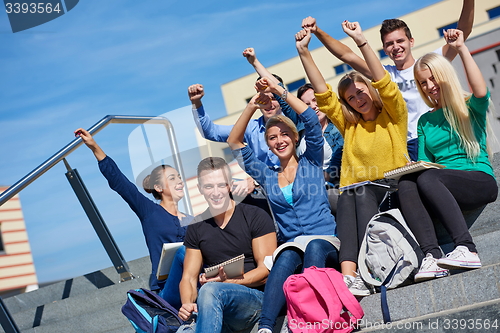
[
  {"x": 443, "y": 193},
  {"x": 355, "y": 209}
]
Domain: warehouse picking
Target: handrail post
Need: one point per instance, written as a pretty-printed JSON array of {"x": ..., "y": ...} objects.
[
  {"x": 6, "y": 321},
  {"x": 98, "y": 223}
]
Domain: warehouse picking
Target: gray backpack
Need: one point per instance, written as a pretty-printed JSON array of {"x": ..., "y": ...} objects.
[{"x": 389, "y": 255}]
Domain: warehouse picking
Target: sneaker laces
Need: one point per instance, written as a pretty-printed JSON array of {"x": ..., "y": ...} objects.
[
  {"x": 459, "y": 252},
  {"x": 427, "y": 262},
  {"x": 358, "y": 283}
]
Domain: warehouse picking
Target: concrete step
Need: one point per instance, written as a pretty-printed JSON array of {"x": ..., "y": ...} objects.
[
  {"x": 141, "y": 268},
  {"x": 467, "y": 288},
  {"x": 107, "y": 319},
  {"x": 482, "y": 317},
  {"x": 93, "y": 306}
]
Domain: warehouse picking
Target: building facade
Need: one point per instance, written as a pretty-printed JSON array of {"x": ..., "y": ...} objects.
[{"x": 17, "y": 270}]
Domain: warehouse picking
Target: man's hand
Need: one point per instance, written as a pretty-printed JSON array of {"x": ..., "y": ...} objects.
[
  {"x": 186, "y": 310},
  {"x": 249, "y": 53},
  {"x": 196, "y": 92},
  {"x": 220, "y": 277}
]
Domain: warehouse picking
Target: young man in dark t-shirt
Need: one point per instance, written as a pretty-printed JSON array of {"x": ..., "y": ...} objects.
[{"x": 225, "y": 230}]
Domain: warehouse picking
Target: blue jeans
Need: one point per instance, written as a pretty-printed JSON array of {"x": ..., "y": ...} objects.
[
  {"x": 226, "y": 307},
  {"x": 170, "y": 291},
  {"x": 319, "y": 253}
]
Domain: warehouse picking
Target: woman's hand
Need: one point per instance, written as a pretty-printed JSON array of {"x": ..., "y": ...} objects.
[
  {"x": 302, "y": 39},
  {"x": 86, "y": 137},
  {"x": 454, "y": 38},
  {"x": 90, "y": 142},
  {"x": 265, "y": 85},
  {"x": 353, "y": 30},
  {"x": 261, "y": 101}
]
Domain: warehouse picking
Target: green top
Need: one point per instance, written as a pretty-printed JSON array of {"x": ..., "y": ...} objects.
[{"x": 438, "y": 143}]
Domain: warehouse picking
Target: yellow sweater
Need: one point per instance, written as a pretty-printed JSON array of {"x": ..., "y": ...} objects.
[{"x": 370, "y": 147}]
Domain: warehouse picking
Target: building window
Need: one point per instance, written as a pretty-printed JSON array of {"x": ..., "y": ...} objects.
[
  {"x": 296, "y": 84},
  {"x": 493, "y": 12},
  {"x": 381, "y": 54},
  {"x": 342, "y": 69},
  {"x": 446, "y": 27}
]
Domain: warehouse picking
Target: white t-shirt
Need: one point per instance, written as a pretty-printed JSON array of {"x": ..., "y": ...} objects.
[
  {"x": 327, "y": 151},
  {"x": 407, "y": 85}
]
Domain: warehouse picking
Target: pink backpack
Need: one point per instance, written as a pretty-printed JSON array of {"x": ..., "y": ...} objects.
[{"x": 318, "y": 301}]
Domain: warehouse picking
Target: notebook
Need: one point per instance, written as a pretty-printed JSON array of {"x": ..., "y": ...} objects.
[
  {"x": 410, "y": 168},
  {"x": 366, "y": 182},
  {"x": 166, "y": 259},
  {"x": 234, "y": 268}
]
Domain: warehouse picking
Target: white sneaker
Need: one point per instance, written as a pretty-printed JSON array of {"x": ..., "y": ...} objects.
[
  {"x": 430, "y": 270},
  {"x": 460, "y": 258},
  {"x": 358, "y": 287},
  {"x": 265, "y": 330}
]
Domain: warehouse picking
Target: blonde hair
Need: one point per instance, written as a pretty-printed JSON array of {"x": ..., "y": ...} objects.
[
  {"x": 453, "y": 100},
  {"x": 277, "y": 119},
  {"x": 345, "y": 82}
]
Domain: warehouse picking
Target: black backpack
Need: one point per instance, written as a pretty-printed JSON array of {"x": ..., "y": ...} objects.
[{"x": 149, "y": 313}]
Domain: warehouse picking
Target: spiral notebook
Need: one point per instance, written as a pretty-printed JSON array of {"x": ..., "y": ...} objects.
[
  {"x": 233, "y": 267},
  {"x": 410, "y": 168}
]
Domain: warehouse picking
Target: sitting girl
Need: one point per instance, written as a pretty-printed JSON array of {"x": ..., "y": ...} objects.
[
  {"x": 372, "y": 118},
  {"x": 160, "y": 221},
  {"x": 296, "y": 192},
  {"x": 453, "y": 134}
]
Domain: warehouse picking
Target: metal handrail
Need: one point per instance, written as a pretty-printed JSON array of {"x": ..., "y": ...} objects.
[{"x": 68, "y": 149}]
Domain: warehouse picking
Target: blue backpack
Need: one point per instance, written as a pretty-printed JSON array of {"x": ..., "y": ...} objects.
[{"x": 149, "y": 313}]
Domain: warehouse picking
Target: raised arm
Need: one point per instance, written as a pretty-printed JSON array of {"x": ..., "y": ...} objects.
[
  {"x": 353, "y": 30},
  {"x": 249, "y": 53},
  {"x": 206, "y": 126},
  {"x": 336, "y": 47},
  {"x": 251, "y": 56},
  {"x": 237, "y": 136},
  {"x": 302, "y": 39},
  {"x": 90, "y": 142},
  {"x": 455, "y": 39},
  {"x": 266, "y": 85},
  {"x": 465, "y": 23}
]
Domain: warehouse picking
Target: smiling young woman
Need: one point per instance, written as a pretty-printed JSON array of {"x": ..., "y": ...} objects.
[
  {"x": 453, "y": 134},
  {"x": 372, "y": 117},
  {"x": 296, "y": 191}
]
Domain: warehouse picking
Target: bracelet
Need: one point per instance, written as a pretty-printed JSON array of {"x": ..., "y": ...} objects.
[
  {"x": 360, "y": 46},
  {"x": 284, "y": 95}
]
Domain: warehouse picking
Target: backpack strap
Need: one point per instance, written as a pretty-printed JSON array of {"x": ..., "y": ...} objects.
[
  {"x": 383, "y": 294},
  {"x": 348, "y": 300},
  {"x": 316, "y": 282}
]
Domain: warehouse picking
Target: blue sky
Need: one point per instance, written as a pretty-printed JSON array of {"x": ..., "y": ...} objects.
[{"x": 130, "y": 58}]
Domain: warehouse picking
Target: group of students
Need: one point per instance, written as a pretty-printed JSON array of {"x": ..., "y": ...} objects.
[{"x": 294, "y": 152}]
